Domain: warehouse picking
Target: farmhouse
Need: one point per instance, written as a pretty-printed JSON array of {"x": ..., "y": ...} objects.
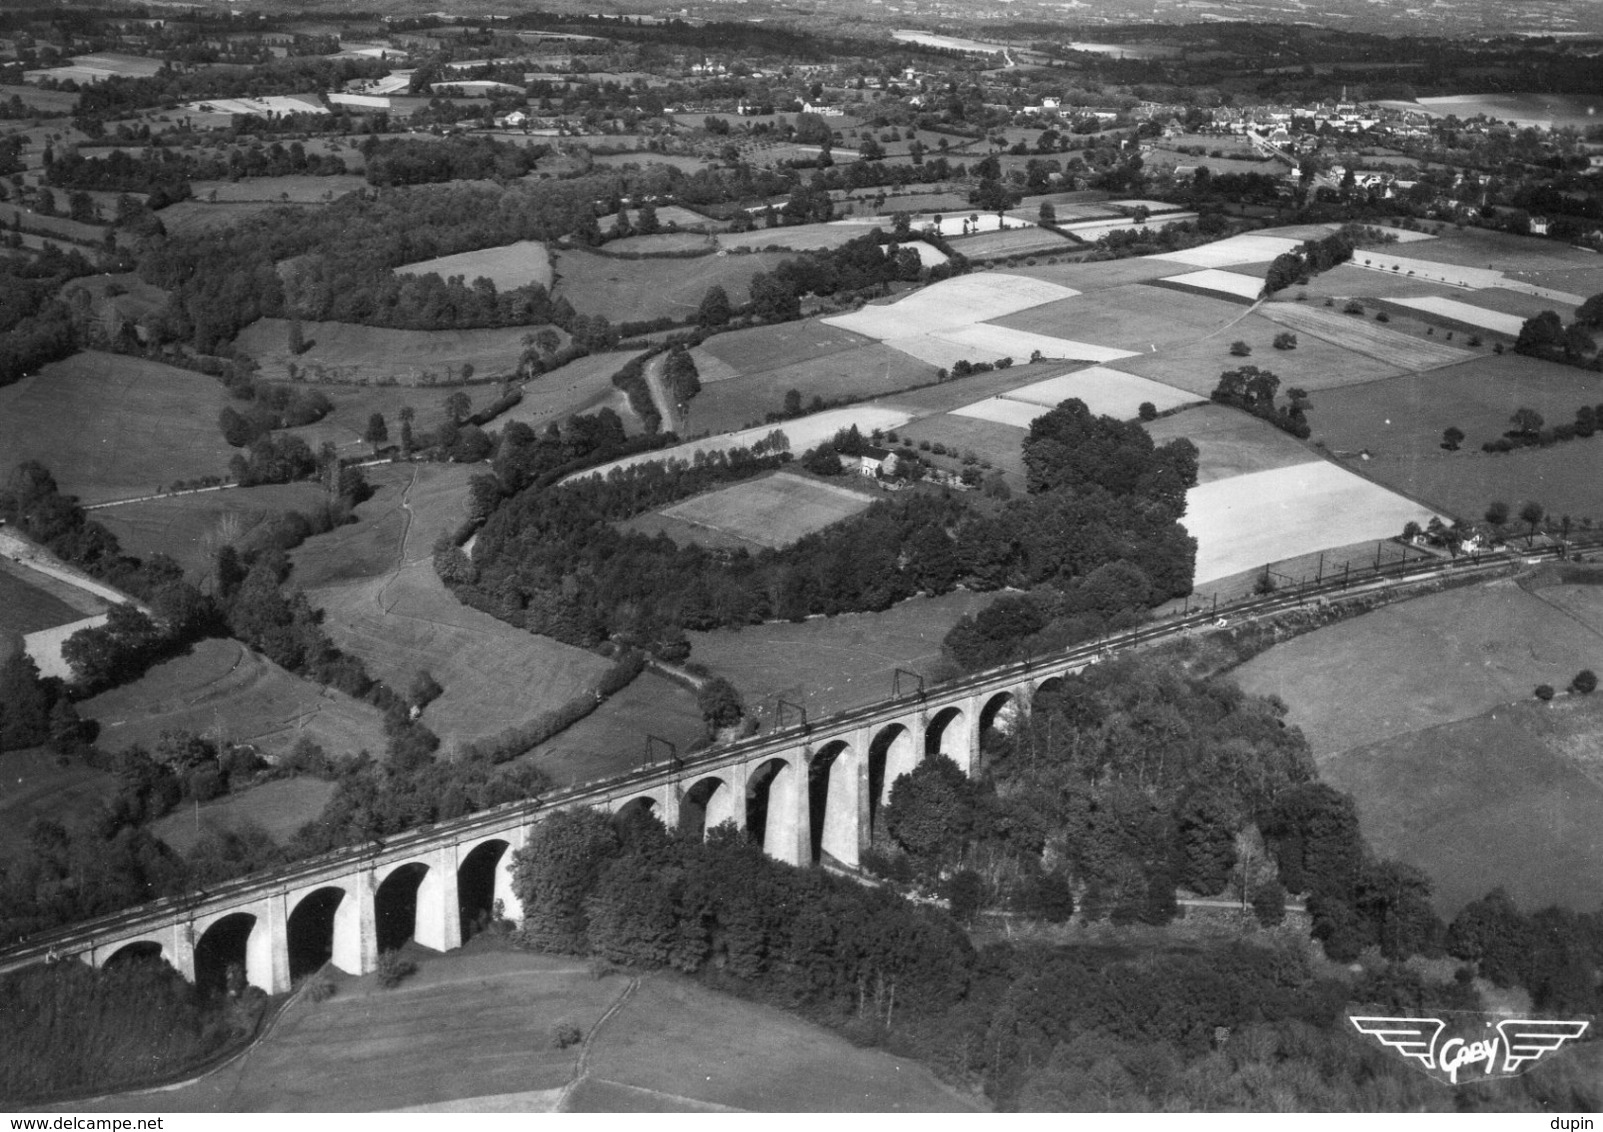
[{"x": 875, "y": 462}]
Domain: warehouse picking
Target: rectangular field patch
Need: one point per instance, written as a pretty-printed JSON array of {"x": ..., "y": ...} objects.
[
  {"x": 952, "y": 303},
  {"x": 1243, "y": 522},
  {"x": 774, "y": 511},
  {"x": 1232, "y": 251},
  {"x": 999, "y": 410},
  {"x": 508, "y": 266},
  {"x": 1467, "y": 313},
  {"x": 1231, "y": 283},
  {"x": 1106, "y": 392},
  {"x": 1364, "y": 336}
]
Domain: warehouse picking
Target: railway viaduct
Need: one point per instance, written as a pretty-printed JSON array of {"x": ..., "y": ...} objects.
[{"x": 811, "y": 793}]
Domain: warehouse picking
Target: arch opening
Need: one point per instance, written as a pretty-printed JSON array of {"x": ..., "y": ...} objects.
[
  {"x": 832, "y": 807},
  {"x": 634, "y": 810},
  {"x": 310, "y": 930},
  {"x": 891, "y": 755},
  {"x": 944, "y": 736},
  {"x": 139, "y": 951},
  {"x": 771, "y": 809},
  {"x": 1048, "y": 692},
  {"x": 1000, "y": 720},
  {"x": 222, "y": 954},
  {"x": 395, "y": 905},
  {"x": 706, "y": 806},
  {"x": 477, "y": 887}
]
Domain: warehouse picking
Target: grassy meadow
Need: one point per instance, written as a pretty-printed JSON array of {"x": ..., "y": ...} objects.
[{"x": 640, "y": 289}]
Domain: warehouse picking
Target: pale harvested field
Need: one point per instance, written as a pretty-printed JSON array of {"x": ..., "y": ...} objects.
[
  {"x": 508, "y": 266},
  {"x": 1365, "y": 336},
  {"x": 115, "y": 427},
  {"x": 1281, "y": 513},
  {"x": 1133, "y": 317},
  {"x": 1231, "y": 283},
  {"x": 1105, "y": 392},
  {"x": 1465, "y": 312},
  {"x": 1229, "y": 442},
  {"x": 802, "y": 432},
  {"x": 773, "y": 511},
  {"x": 1092, "y": 275},
  {"x": 1014, "y": 414},
  {"x": 1232, "y": 251},
  {"x": 951, "y": 303},
  {"x": 220, "y": 685},
  {"x": 345, "y": 352},
  {"x": 987, "y": 342},
  {"x": 494, "y": 675}
]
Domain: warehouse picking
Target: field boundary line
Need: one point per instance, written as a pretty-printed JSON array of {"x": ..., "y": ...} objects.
[{"x": 581, "y": 1068}]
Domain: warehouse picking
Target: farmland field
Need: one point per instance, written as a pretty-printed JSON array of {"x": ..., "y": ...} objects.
[
  {"x": 1280, "y": 513},
  {"x": 661, "y": 243},
  {"x": 192, "y": 528},
  {"x": 655, "y": 288},
  {"x": 188, "y": 217},
  {"x": 508, "y": 266},
  {"x": 873, "y": 369},
  {"x": 222, "y": 685},
  {"x": 472, "y": 1032},
  {"x": 797, "y": 237},
  {"x": 802, "y": 432},
  {"x": 1232, "y": 284},
  {"x": 770, "y": 347},
  {"x": 772, "y": 511},
  {"x": 828, "y": 664},
  {"x": 1015, "y": 241},
  {"x": 1132, "y": 317},
  {"x": 1229, "y": 442},
  {"x": 27, "y": 603},
  {"x": 1567, "y": 479},
  {"x": 49, "y": 100},
  {"x": 404, "y": 619},
  {"x": 1454, "y": 766},
  {"x": 1001, "y": 444},
  {"x": 1231, "y": 251},
  {"x": 1315, "y": 364},
  {"x": 114, "y": 427},
  {"x": 1014, "y": 414},
  {"x": 279, "y": 807},
  {"x": 668, "y": 215},
  {"x": 345, "y": 352},
  {"x": 1105, "y": 392},
  {"x": 612, "y": 739},
  {"x": 1406, "y": 415},
  {"x": 1468, "y": 314},
  {"x": 35, "y": 784},
  {"x": 278, "y": 190},
  {"x": 988, "y": 342},
  {"x": 950, "y": 304},
  {"x": 1096, "y": 276},
  {"x": 1365, "y": 336},
  {"x": 581, "y": 386}
]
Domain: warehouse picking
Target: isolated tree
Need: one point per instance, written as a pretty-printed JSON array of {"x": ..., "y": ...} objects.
[
  {"x": 1411, "y": 531},
  {"x": 1527, "y": 422},
  {"x": 1497, "y": 513},
  {"x": 1285, "y": 340},
  {"x": 715, "y": 309},
  {"x": 457, "y": 406},
  {"x": 1544, "y": 692},
  {"x": 1049, "y": 214},
  {"x": 1585, "y": 682},
  {"x": 1240, "y": 349},
  {"x": 378, "y": 433},
  {"x": 1531, "y": 514},
  {"x": 1590, "y": 313},
  {"x": 1147, "y": 411},
  {"x": 1452, "y": 437},
  {"x": 720, "y": 703}
]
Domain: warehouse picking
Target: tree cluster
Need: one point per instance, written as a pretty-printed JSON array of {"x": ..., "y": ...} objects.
[
  {"x": 1253, "y": 390},
  {"x": 1313, "y": 257}
]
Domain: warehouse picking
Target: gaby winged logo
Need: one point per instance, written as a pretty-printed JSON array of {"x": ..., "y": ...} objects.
[{"x": 1503, "y": 1048}]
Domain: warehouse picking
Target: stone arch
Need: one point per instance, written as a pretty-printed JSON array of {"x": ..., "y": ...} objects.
[
  {"x": 1001, "y": 716},
  {"x": 483, "y": 879},
  {"x": 832, "y": 805},
  {"x": 946, "y": 734},
  {"x": 397, "y": 901},
  {"x": 1047, "y": 689},
  {"x": 136, "y": 951},
  {"x": 706, "y": 805},
  {"x": 323, "y": 926},
  {"x": 226, "y": 941},
  {"x": 636, "y": 809},
  {"x": 771, "y": 810},
  {"x": 892, "y": 754}
]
